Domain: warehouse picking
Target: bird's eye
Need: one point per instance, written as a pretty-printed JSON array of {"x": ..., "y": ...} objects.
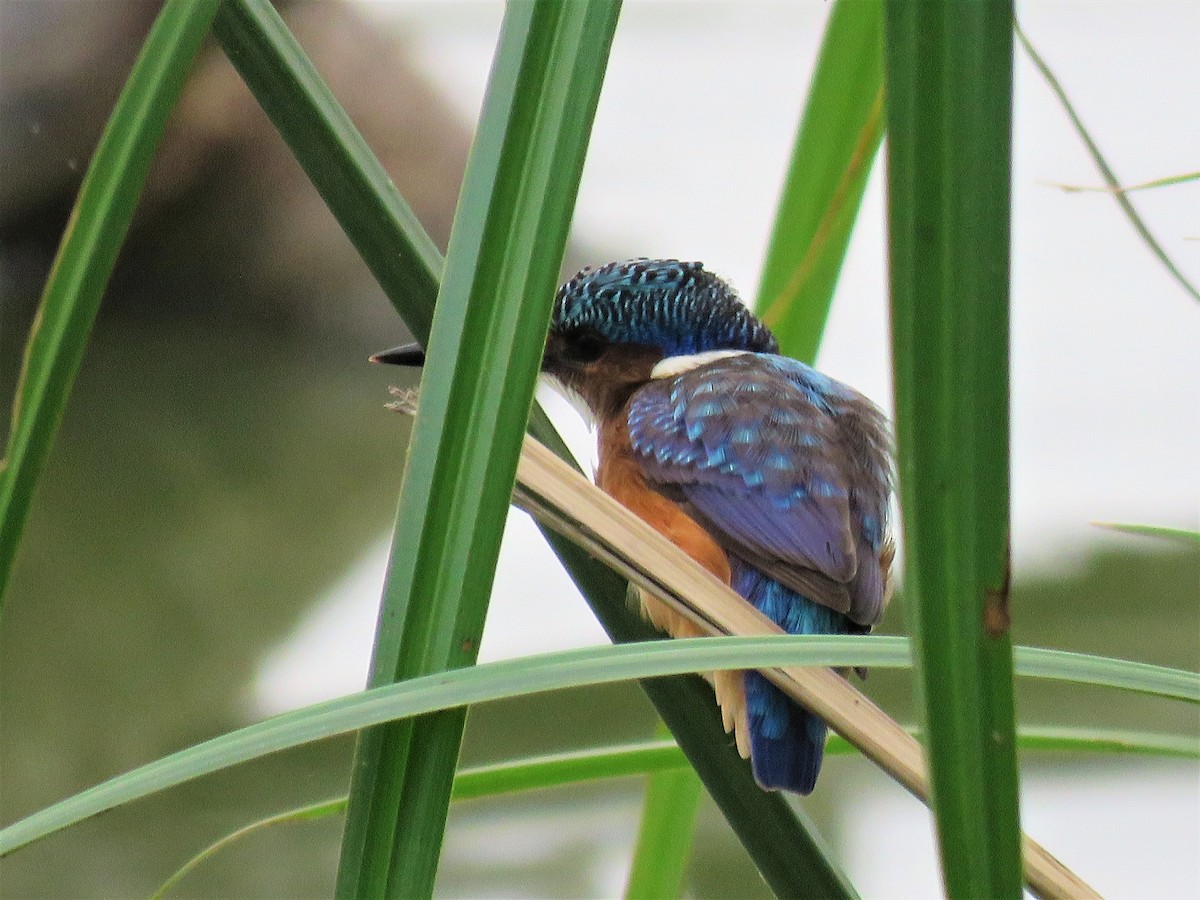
[{"x": 584, "y": 346}]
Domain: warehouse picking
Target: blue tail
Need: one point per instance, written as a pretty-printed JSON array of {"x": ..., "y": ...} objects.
[{"x": 787, "y": 743}]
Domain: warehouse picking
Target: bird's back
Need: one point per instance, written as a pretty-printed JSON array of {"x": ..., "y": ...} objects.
[{"x": 787, "y": 473}]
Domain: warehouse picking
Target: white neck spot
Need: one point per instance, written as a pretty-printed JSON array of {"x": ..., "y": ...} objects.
[{"x": 677, "y": 365}]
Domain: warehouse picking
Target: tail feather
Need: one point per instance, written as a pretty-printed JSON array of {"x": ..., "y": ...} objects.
[{"x": 787, "y": 742}]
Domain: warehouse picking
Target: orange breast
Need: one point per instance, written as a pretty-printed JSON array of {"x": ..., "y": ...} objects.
[{"x": 620, "y": 476}]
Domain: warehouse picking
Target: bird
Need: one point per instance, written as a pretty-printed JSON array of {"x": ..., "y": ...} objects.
[{"x": 774, "y": 477}]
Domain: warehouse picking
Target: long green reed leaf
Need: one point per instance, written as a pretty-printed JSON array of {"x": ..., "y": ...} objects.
[
  {"x": 1100, "y": 671},
  {"x": 1106, "y": 172},
  {"x": 445, "y": 690},
  {"x": 87, "y": 253},
  {"x": 1179, "y": 535},
  {"x": 408, "y": 267},
  {"x": 949, "y": 74},
  {"x": 506, "y": 247},
  {"x": 556, "y": 770},
  {"x": 310, "y": 813},
  {"x": 493, "y": 780},
  {"x": 664, "y": 839},
  {"x": 549, "y": 672},
  {"x": 348, "y": 176},
  {"x": 835, "y": 146},
  {"x": 1077, "y": 740},
  {"x": 665, "y": 756}
]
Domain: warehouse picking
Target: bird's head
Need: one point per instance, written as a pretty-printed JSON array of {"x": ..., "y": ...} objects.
[{"x": 613, "y": 324}]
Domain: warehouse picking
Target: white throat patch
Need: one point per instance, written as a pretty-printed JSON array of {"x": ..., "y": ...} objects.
[
  {"x": 677, "y": 365},
  {"x": 571, "y": 396}
]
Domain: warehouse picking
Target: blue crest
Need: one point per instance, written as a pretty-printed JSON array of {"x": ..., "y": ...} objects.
[{"x": 678, "y": 306}]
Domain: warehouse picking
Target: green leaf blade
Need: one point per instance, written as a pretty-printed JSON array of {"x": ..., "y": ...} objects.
[
  {"x": 1184, "y": 536},
  {"x": 561, "y": 769},
  {"x": 357, "y": 189},
  {"x": 664, "y": 839},
  {"x": 1078, "y": 740},
  {"x": 665, "y": 756},
  {"x": 493, "y": 308},
  {"x": 949, "y": 72},
  {"x": 835, "y": 147},
  {"x": 87, "y": 254},
  {"x": 549, "y": 672}
]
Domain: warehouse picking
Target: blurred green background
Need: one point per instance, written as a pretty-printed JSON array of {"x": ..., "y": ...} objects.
[{"x": 225, "y": 458}]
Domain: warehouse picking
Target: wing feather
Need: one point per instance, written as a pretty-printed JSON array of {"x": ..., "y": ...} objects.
[{"x": 786, "y": 467}]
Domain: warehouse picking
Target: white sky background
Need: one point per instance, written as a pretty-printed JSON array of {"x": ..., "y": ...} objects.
[{"x": 690, "y": 146}]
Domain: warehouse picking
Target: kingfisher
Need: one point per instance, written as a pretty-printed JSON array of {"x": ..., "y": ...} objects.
[{"x": 774, "y": 477}]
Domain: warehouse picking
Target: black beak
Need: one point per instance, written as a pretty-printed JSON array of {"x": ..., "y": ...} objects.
[{"x": 408, "y": 355}]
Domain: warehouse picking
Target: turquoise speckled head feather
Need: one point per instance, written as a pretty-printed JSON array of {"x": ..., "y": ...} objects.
[{"x": 677, "y": 306}]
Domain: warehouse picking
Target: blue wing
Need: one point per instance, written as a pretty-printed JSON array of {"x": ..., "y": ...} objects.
[
  {"x": 785, "y": 466},
  {"x": 790, "y": 471}
]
